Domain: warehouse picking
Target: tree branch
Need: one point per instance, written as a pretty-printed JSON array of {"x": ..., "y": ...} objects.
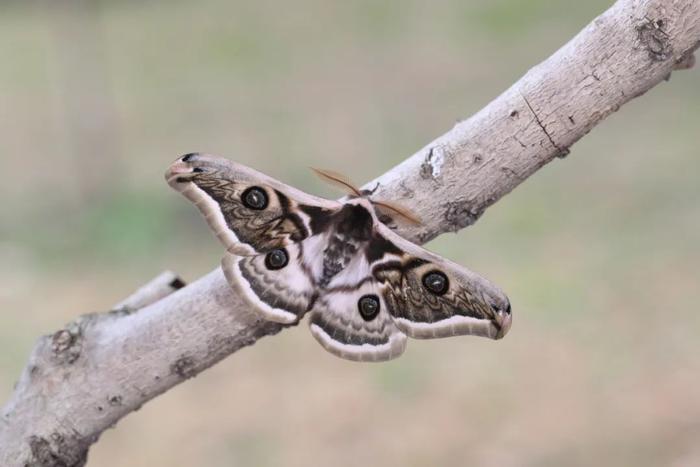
[
  {"x": 84, "y": 378},
  {"x": 161, "y": 286}
]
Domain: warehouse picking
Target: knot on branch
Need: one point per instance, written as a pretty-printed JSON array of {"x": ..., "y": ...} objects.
[
  {"x": 185, "y": 367},
  {"x": 67, "y": 344},
  {"x": 460, "y": 214},
  {"x": 55, "y": 452},
  {"x": 432, "y": 165},
  {"x": 654, "y": 39}
]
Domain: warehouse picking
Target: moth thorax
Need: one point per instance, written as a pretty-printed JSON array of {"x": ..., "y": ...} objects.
[{"x": 355, "y": 221}]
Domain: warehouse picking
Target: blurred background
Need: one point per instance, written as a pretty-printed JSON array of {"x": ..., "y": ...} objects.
[{"x": 598, "y": 252}]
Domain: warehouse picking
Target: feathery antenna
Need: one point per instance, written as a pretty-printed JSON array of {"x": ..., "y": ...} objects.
[
  {"x": 400, "y": 210},
  {"x": 335, "y": 178}
]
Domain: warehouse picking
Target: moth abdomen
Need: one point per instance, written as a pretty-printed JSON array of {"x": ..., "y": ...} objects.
[{"x": 336, "y": 256}]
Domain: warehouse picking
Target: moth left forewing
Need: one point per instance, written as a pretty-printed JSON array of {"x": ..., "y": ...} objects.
[
  {"x": 430, "y": 296},
  {"x": 218, "y": 187}
]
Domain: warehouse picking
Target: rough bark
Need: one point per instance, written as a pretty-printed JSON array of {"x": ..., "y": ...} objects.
[{"x": 82, "y": 379}]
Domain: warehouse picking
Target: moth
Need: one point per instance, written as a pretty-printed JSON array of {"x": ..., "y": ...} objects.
[{"x": 365, "y": 288}]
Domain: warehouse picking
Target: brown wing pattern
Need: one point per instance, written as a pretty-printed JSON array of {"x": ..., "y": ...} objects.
[
  {"x": 249, "y": 212},
  {"x": 429, "y": 296},
  {"x": 282, "y": 295},
  {"x": 341, "y": 326}
]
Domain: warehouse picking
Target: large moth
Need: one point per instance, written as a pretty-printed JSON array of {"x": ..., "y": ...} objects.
[{"x": 364, "y": 287}]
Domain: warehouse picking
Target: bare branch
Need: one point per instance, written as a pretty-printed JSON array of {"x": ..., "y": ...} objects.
[
  {"x": 159, "y": 287},
  {"x": 84, "y": 378}
]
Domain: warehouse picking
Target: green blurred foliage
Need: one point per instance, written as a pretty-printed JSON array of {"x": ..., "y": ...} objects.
[{"x": 598, "y": 252}]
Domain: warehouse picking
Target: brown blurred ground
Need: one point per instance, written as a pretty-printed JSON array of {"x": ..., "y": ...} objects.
[{"x": 599, "y": 253}]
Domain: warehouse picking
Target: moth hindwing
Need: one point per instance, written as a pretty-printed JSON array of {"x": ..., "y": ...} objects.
[{"x": 364, "y": 287}]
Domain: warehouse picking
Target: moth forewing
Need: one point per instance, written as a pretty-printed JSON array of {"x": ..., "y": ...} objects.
[
  {"x": 274, "y": 216},
  {"x": 469, "y": 303}
]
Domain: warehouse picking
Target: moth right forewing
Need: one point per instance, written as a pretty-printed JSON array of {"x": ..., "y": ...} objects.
[{"x": 430, "y": 296}]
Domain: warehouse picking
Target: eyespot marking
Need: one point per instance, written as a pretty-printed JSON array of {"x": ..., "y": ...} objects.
[
  {"x": 276, "y": 259},
  {"x": 254, "y": 198},
  {"x": 368, "y": 306},
  {"x": 436, "y": 282}
]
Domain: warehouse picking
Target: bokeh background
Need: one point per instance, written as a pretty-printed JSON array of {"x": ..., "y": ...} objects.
[{"x": 598, "y": 252}]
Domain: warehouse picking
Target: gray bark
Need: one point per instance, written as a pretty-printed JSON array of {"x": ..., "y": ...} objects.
[{"x": 82, "y": 379}]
